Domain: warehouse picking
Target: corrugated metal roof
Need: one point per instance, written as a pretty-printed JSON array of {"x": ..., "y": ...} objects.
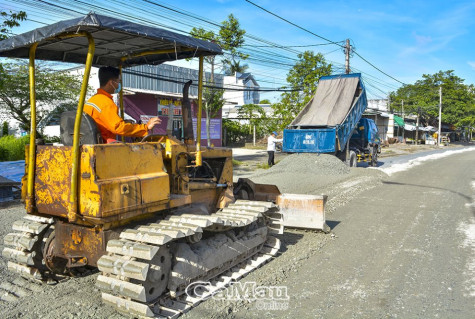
[{"x": 154, "y": 78}]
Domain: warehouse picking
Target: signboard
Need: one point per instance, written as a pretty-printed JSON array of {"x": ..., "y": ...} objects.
[
  {"x": 164, "y": 104},
  {"x": 214, "y": 128},
  {"x": 176, "y": 111}
]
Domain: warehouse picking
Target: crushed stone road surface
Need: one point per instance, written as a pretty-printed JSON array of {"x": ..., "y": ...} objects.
[
  {"x": 401, "y": 247},
  {"x": 404, "y": 249}
]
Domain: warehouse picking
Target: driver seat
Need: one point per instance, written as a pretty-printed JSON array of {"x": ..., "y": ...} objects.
[{"x": 89, "y": 132}]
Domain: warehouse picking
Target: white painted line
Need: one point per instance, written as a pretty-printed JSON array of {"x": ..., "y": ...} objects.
[
  {"x": 468, "y": 229},
  {"x": 395, "y": 168}
]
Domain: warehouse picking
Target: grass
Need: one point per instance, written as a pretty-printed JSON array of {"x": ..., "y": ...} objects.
[
  {"x": 13, "y": 148},
  {"x": 265, "y": 165},
  {"x": 237, "y": 163}
]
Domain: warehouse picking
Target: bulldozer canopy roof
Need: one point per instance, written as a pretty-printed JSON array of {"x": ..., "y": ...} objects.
[{"x": 113, "y": 39}]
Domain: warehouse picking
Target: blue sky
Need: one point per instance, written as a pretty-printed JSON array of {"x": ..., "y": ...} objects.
[{"x": 405, "y": 39}]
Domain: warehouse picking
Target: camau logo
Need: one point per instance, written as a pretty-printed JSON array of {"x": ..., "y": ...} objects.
[{"x": 266, "y": 297}]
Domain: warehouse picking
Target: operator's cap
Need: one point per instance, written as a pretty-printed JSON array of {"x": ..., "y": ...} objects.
[{"x": 275, "y": 133}]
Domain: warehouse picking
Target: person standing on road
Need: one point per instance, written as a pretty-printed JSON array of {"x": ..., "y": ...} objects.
[{"x": 271, "y": 140}]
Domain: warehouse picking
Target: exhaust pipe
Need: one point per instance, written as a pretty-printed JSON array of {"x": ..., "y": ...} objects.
[{"x": 186, "y": 112}]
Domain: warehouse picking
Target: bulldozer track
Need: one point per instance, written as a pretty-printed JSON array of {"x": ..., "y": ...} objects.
[
  {"x": 139, "y": 260},
  {"x": 126, "y": 268},
  {"x": 24, "y": 247},
  {"x": 12, "y": 291}
]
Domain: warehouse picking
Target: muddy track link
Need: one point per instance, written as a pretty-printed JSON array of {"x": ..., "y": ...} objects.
[
  {"x": 24, "y": 247},
  {"x": 138, "y": 277}
]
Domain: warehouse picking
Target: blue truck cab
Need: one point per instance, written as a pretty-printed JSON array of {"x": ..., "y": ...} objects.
[
  {"x": 365, "y": 132},
  {"x": 365, "y": 141}
]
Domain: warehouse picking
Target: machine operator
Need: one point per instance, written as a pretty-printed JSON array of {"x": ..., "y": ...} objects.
[{"x": 104, "y": 111}]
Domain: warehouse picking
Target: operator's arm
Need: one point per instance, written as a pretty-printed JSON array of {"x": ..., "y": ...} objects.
[{"x": 114, "y": 123}]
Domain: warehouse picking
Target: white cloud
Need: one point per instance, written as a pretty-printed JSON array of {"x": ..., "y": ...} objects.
[{"x": 472, "y": 64}]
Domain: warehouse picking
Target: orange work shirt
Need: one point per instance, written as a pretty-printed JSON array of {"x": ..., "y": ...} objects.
[{"x": 104, "y": 111}]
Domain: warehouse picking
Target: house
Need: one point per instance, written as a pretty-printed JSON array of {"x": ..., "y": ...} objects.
[
  {"x": 378, "y": 111},
  {"x": 240, "y": 89}
]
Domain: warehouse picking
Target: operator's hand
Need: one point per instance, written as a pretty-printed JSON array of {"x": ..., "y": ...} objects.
[{"x": 152, "y": 122}]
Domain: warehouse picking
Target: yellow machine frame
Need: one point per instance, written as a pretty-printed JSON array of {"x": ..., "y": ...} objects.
[{"x": 73, "y": 197}]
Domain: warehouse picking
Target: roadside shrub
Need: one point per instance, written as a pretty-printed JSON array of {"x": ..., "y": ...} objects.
[
  {"x": 3, "y": 154},
  {"x": 236, "y": 133},
  {"x": 5, "y": 128},
  {"x": 12, "y": 148}
]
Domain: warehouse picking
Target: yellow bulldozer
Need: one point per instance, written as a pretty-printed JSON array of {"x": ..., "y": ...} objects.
[{"x": 153, "y": 216}]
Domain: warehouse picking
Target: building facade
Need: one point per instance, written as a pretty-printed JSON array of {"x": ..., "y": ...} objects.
[{"x": 151, "y": 91}]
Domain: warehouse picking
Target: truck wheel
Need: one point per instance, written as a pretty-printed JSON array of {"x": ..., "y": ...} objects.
[
  {"x": 352, "y": 160},
  {"x": 374, "y": 157}
]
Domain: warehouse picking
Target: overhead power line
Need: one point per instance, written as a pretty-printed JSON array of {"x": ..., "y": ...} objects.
[
  {"x": 378, "y": 68},
  {"x": 295, "y": 25},
  {"x": 179, "y": 81},
  {"x": 319, "y": 36},
  {"x": 288, "y": 46},
  {"x": 269, "y": 57}
]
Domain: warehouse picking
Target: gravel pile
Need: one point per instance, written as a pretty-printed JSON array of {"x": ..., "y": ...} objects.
[
  {"x": 314, "y": 164},
  {"x": 304, "y": 173}
]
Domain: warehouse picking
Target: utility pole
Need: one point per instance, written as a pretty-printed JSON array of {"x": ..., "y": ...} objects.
[
  {"x": 347, "y": 56},
  {"x": 440, "y": 116},
  {"x": 417, "y": 124},
  {"x": 403, "y": 129}
]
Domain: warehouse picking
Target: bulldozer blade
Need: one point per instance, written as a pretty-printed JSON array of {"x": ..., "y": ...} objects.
[
  {"x": 248, "y": 190},
  {"x": 303, "y": 211}
]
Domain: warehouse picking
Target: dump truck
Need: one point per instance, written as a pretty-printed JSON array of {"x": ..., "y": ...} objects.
[
  {"x": 154, "y": 216},
  {"x": 332, "y": 122}
]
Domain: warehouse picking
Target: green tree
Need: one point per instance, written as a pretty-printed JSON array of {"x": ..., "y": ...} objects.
[
  {"x": 230, "y": 37},
  {"x": 52, "y": 88},
  {"x": 252, "y": 112},
  {"x": 203, "y": 34},
  {"x": 265, "y": 101},
  {"x": 10, "y": 20},
  {"x": 302, "y": 80},
  {"x": 235, "y": 67},
  {"x": 458, "y": 99},
  {"x": 236, "y": 133},
  {"x": 5, "y": 128},
  {"x": 213, "y": 102}
]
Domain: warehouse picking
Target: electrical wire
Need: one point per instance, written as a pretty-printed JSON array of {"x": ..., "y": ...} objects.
[
  {"x": 269, "y": 60},
  {"x": 295, "y": 25}
]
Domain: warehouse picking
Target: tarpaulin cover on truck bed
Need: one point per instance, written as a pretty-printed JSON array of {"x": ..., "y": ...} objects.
[
  {"x": 113, "y": 39},
  {"x": 331, "y": 103}
]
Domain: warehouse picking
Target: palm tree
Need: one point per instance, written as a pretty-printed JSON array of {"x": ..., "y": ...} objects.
[{"x": 232, "y": 66}]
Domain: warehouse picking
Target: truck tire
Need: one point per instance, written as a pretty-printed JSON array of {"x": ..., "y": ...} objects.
[
  {"x": 374, "y": 156},
  {"x": 352, "y": 161}
]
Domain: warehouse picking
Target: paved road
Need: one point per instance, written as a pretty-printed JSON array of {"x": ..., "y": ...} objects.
[{"x": 400, "y": 251}]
